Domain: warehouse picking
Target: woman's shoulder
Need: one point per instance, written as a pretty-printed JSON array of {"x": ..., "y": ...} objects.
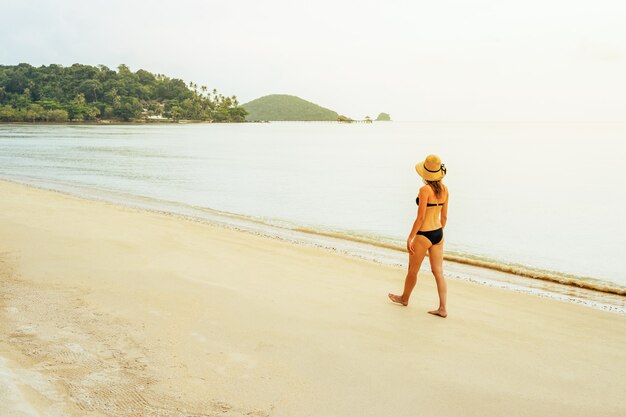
[{"x": 426, "y": 189}]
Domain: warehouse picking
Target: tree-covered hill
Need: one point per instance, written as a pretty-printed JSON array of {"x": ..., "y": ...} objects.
[
  {"x": 282, "y": 107},
  {"x": 83, "y": 92}
]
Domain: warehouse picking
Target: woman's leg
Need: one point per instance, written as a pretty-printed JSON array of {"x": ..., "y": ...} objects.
[
  {"x": 421, "y": 245},
  {"x": 435, "y": 255}
]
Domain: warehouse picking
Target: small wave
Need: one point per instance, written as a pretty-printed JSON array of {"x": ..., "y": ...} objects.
[
  {"x": 474, "y": 260},
  {"x": 551, "y": 276}
]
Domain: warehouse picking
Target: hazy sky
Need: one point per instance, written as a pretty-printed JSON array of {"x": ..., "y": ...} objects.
[{"x": 418, "y": 60}]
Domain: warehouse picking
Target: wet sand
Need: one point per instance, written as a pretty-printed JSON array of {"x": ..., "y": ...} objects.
[{"x": 112, "y": 311}]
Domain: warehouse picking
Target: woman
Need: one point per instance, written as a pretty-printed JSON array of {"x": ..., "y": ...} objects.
[{"x": 427, "y": 232}]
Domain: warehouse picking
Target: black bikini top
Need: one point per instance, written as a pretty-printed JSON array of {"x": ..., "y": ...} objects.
[{"x": 417, "y": 201}]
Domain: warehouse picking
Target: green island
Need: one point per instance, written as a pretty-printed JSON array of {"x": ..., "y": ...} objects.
[
  {"x": 283, "y": 107},
  {"x": 383, "y": 117},
  {"x": 80, "y": 93}
]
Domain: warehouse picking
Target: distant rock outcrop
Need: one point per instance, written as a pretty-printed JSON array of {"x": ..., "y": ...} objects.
[
  {"x": 383, "y": 117},
  {"x": 283, "y": 107}
]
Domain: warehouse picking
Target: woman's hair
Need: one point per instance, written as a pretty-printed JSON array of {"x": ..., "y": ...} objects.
[{"x": 436, "y": 186}]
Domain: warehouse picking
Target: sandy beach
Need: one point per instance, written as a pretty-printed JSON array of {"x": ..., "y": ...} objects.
[{"x": 112, "y": 311}]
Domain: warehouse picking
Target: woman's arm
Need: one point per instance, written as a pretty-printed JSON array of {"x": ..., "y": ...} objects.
[
  {"x": 444, "y": 210},
  {"x": 421, "y": 215}
]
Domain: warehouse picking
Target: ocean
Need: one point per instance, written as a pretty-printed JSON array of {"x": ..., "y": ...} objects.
[{"x": 541, "y": 200}]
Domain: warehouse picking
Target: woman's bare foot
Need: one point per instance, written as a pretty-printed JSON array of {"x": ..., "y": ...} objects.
[
  {"x": 397, "y": 299},
  {"x": 439, "y": 312}
]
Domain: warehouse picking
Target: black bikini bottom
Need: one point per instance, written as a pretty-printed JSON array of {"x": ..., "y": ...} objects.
[{"x": 435, "y": 236}]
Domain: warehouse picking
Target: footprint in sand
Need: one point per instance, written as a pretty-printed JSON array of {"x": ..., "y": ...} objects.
[
  {"x": 11, "y": 310},
  {"x": 75, "y": 348},
  {"x": 242, "y": 359},
  {"x": 200, "y": 338}
]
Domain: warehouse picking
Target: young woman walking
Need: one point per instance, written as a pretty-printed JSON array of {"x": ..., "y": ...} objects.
[{"x": 427, "y": 233}]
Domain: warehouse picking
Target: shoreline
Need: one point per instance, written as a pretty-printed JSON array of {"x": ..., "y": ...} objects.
[
  {"x": 112, "y": 122},
  {"x": 138, "y": 122},
  {"x": 593, "y": 284},
  {"x": 115, "y": 310},
  {"x": 594, "y": 293}
]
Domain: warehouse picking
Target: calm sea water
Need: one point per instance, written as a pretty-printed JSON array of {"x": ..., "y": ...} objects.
[{"x": 548, "y": 196}]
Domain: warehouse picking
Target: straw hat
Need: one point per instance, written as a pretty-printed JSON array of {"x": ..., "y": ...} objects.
[{"x": 431, "y": 169}]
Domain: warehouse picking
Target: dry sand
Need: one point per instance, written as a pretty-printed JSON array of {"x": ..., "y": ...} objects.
[{"x": 112, "y": 311}]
